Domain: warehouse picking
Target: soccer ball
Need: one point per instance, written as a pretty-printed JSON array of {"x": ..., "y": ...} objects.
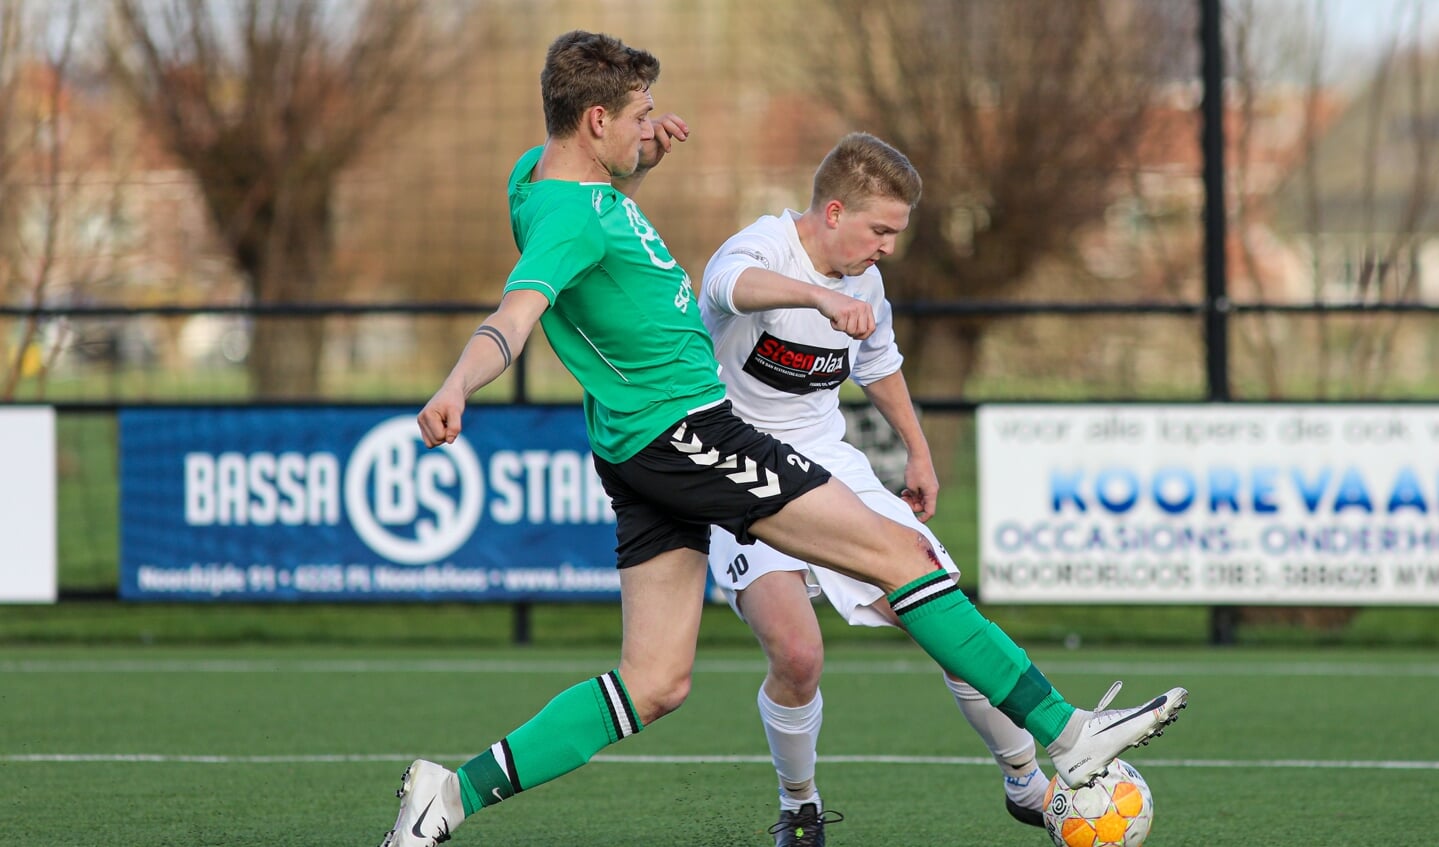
[{"x": 1116, "y": 811}]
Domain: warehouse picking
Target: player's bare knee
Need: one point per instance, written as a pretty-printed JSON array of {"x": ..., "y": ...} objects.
[
  {"x": 920, "y": 556},
  {"x": 926, "y": 549},
  {"x": 655, "y": 692},
  {"x": 907, "y": 555},
  {"x": 798, "y": 663},
  {"x": 671, "y": 696}
]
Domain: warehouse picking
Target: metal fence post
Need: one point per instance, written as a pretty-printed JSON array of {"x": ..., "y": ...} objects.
[{"x": 1223, "y": 620}]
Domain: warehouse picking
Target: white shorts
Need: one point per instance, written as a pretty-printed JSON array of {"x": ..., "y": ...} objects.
[{"x": 734, "y": 566}]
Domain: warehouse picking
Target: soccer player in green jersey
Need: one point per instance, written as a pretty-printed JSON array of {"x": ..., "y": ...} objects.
[{"x": 620, "y": 313}]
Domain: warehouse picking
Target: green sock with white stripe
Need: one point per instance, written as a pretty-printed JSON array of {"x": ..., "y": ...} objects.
[
  {"x": 941, "y": 619},
  {"x": 574, "y": 726}
]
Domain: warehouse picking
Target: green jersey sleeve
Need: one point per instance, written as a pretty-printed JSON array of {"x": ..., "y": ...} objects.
[{"x": 557, "y": 247}]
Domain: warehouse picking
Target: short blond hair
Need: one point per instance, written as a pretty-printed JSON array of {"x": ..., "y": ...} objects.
[{"x": 861, "y": 168}]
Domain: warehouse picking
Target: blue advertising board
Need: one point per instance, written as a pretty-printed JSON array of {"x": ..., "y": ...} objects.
[{"x": 293, "y": 504}]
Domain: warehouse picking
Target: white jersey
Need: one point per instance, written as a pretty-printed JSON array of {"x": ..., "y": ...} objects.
[{"x": 783, "y": 367}]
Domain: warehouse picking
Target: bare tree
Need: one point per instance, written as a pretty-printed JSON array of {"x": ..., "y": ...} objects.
[
  {"x": 266, "y": 103},
  {"x": 1358, "y": 190},
  {"x": 1258, "y": 55},
  {"x": 1021, "y": 116},
  {"x": 37, "y": 44},
  {"x": 1386, "y": 276},
  {"x": 14, "y": 49},
  {"x": 1308, "y": 172}
]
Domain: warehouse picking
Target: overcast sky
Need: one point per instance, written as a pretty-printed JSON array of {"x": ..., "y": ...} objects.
[{"x": 1365, "y": 24}]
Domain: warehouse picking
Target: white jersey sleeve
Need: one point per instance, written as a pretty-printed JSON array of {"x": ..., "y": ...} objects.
[{"x": 752, "y": 247}]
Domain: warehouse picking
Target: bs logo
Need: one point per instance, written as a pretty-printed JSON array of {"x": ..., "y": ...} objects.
[{"x": 411, "y": 505}]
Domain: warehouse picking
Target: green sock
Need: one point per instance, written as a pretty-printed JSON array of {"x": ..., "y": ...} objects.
[
  {"x": 941, "y": 620},
  {"x": 567, "y": 732}
]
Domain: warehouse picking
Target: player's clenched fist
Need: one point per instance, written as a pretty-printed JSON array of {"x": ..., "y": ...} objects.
[
  {"x": 440, "y": 419},
  {"x": 849, "y": 315}
]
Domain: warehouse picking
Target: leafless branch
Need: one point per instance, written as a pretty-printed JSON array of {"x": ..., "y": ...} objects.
[
  {"x": 48, "y": 149},
  {"x": 266, "y": 104}
]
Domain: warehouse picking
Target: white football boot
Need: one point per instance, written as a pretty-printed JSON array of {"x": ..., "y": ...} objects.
[
  {"x": 430, "y": 806},
  {"x": 1105, "y": 733}
]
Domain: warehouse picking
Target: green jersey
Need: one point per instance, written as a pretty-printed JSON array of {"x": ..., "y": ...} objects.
[{"x": 622, "y": 315}]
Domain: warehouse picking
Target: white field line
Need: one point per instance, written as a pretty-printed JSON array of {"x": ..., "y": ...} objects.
[
  {"x": 965, "y": 761},
  {"x": 734, "y": 666}
]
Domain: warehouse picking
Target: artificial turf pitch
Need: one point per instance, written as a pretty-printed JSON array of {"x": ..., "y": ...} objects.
[{"x": 277, "y": 746}]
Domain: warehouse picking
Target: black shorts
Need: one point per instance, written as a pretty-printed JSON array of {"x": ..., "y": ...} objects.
[{"x": 709, "y": 468}]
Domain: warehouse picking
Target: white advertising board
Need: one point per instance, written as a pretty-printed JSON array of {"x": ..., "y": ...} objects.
[
  {"x": 1209, "y": 504},
  {"x": 27, "y": 505}
]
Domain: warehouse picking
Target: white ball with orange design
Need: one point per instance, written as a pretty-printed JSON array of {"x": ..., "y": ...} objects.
[{"x": 1116, "y": 811}]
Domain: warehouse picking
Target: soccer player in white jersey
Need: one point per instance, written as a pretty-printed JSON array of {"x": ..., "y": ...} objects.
[{"x": 764, "y": 299}]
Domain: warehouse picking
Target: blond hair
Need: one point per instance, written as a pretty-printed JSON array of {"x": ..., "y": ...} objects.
[{"x": 861, "y": 168}]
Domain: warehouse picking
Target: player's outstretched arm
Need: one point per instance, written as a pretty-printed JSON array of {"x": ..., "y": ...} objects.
[
  {"x": 668, "y": 129},
  {"x": 921, "y": 484},
  {"x": 489, "y": 352},
  {"x": 758, "y": 290}
]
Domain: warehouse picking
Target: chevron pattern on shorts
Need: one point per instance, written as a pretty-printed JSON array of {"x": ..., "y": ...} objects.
[{"x": 761, "y": 482}]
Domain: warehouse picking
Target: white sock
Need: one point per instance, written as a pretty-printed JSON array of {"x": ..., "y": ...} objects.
[
  {"x": 1012, "y": 746},
  {"x": 793, "y": 735}
]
